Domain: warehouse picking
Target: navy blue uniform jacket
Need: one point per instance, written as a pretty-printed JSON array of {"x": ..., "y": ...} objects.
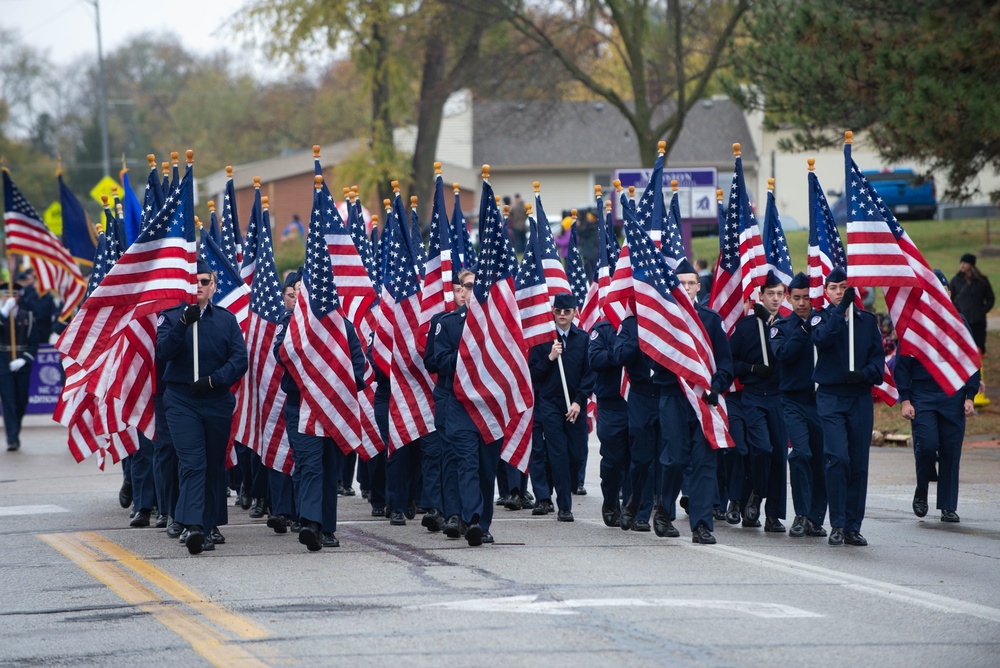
[
  {"x": 576, "y": 362},
  {"x": 829, "y": 334},
  {"x": 222, "y": 352}
]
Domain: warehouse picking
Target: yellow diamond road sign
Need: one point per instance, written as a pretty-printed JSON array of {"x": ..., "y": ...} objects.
[
  {"x": 53, "y": 218},
  {"x": 103, "y": 187}
]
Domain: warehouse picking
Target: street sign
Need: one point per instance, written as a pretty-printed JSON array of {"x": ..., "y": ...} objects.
[
  {"x": 53, "y": 218},
  {"x": 104, "y": 187},
  {"x": 695, "y": 188}
]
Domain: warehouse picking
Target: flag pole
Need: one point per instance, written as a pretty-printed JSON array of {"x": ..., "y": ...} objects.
[
  {"x": 850, "y": 337},
  {"x": 10, "y": 316},
  {"x": 194, "y": 331}
]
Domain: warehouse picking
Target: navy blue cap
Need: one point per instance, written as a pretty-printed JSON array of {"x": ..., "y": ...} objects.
[
  {"x": 772, "y": 280},
  {"x": 291, "y": 279},
  {"x": 836, "y": 275},
  {"x": 942, "y": 278},
  {"x": 969, "y": 258},
  {"x": 799, "y": 282},
  {"x": 685, "y": 267},
  {"x": 564, "y": 300},
  {"x": 204, "y": 267}
]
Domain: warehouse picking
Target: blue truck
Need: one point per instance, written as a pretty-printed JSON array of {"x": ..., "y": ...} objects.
[{"x": 908, "y": 196}]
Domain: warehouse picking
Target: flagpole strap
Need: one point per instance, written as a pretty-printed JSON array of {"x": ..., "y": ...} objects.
[
  {"x": 194, "y": 346},
  {"x": 763, "y": 340},
  {"x": 850, "y": 337},
  {"x": 562, "y": 376},
  {"x": 10, "y": 321}
]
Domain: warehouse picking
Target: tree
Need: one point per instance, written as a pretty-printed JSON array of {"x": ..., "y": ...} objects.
[
  {"x": 667, "y": 52},
  {"x": 919, "y": 76}
]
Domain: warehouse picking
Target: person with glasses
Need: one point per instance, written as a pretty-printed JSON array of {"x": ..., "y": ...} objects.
[
  {"x": 199, "y": 411},
  {"x": 555, "y": 466}
]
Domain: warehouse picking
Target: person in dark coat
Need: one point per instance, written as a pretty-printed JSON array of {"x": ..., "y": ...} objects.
[{"x": 973, "y": 297}]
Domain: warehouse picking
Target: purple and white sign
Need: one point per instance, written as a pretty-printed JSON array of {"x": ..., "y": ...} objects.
[
  {"x": 46, "y": 381},
  {"x": 695, "y": 189}
]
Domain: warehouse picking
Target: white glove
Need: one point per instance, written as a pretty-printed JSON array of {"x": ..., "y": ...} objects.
[
  {"x": 8, "y": 306},
  {"x": 53, "y": 337},
  {"x": 16, "y": 365}
]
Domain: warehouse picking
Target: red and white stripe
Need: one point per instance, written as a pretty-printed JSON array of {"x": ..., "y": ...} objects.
[
  {"x": 411, "y": 403},
  {"x": 354, "y": 286}
]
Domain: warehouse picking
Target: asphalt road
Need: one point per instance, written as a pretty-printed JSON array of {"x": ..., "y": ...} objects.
[{"x": 78, "y": 587}]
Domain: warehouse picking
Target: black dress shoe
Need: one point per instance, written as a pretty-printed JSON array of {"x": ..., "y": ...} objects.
[
  {"x": 773, "y": 525},
  {"x": 330, "y": 540},
  {"x": 349, "y": 491},
  {"x": 161, "y": 521},
  {"x": 182, "y": 538},
  {"x": 733, "y": 513},
  {"x": 141, "y": 519},
  {"x": 195, "y": 540},
  {"x": 513, "y": 502},
  {"x": 411, "y": 510},
  {"x": 751, "y": 524},
  {"x": 474, "y": 532},
  {"x": 341, "y": 490},
  {"x": 124, "y": 492},
  {"x": 502, "y": 500},
  {"x": 752, "y": 511},
  {"x": 702, "y": 535},
  {"x": 836, "y": 537},
  {"x": 528, "y": 500},
  {"x": 451, "y": 527},
  {"x": 718, "y": 514},
  {"x": 950, "y": 516},
  {"x": 798, "y": 529},
  {"x": 814, "y": 530},
  {"x": 641, "y": 526},
  {"x": 543, "y": 507},
  {"x": 296, "y": 527},
  {"x": 311, "y": 536},
  {"x": 216, "y": 536},
  {"x": 855, "y": 538},
  {"x": 565, "y": 516},
  {"x": 257, "y": 509},
  {"x": 278, "y": 522},
  {"x": 626, "y": 519},
  {"x": 365, "y": 494},
  {"x": 378, "y": 512},
  {"x": 432, "y": 520},
  {"x": 663, "y": 527},
  {"x": 16, "y": 445},
  {"x": 685, "y": 503},
  {"x": 397, "y": 520},
  {"x": 243, "y": 499},
  {"x": 580, "y": 491},
  {"x": 611, "y": 514},
  {"x": 487, "y": 538},
  {"x": 920, "y": 502},
  {"x": 174, "y": 529}
]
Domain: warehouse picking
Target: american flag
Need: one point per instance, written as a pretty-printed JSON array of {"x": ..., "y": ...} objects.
[
  {"x": 575, "y": 273},
  {"x": 356, "y": 225},
  {"x": 776, "y": 249},
  {"x": 411, "y": 405},
  {"x": 260, "y": 401},
  {"x": 231, "y": 292},
  {"x": 927, "y": 325},
  {"x": 672, "y": 333},
  {"x": 376, "y": 245},
  {"x": 316, "y": 351},
  {"x": 607, "y": 256},
  {"x": 417, "y": 240},
  {"x": 826, "y": 251},
  {"x": 55, "y": 268},
  {"x": 650, "y": 211},
  {"x": 152, "y": 197},
  {"x": 539, "y": 279},
  {"x": 619, "y": 301},
  {"x": 232, "y": 238},
  {"x": 464, "y": 253},
  {"x": 436, "y": 295},
  {"x": 250, "y": 242},
  {"x": 672, "y": 243},
  {"x": 491, "y": 377}
]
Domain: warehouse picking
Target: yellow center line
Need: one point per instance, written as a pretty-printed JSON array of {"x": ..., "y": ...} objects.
[{"x": 207, "y": 641}]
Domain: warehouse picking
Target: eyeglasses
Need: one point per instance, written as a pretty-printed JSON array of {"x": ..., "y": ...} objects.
[
  {"x": 562, "y": 311},
  {"x": 205, "y": 281},
  {"x": 468, "y": 286}
]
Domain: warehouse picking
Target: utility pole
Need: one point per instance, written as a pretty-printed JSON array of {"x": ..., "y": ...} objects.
[{"x": 103, "y": 93}]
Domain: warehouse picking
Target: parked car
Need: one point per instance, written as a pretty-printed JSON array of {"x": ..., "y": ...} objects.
[{"x": 908, "y": 196}]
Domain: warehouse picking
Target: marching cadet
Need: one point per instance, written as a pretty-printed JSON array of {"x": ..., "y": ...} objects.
[
  {"x": 318, "y": 459},
  {"x": 686, "y": 455},
  {"x": 476, "y": 461},
  {"x": 755, "y": 367},
  {"x": 376, "y": 465},
  {"x": 938, "y": 428},
  {"x": 281, "y": 488},
  {"x": 612, "y": 425},
  {"x": 165, "y": 475},
  {"x": 200, "y": 412},
  {"x": 792, "y": 344},
  {"x": 844, "y": 403},
  {"x": 564, "y": 434},
  {"x": 15, "y": 368}
]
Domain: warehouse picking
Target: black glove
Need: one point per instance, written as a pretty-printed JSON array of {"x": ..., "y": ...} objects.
[
  {"x": 201, "y": 386},
  {"x": 762, "y": 371},
  {"x": 856, "y": 378},
  {"x": 846, "y": 302},
  {"x": 806, "y": 325},
  {"x": 761, "y": 312},
  {"x": 191, "y": 314},
  {"x": 712, "y": 398}
]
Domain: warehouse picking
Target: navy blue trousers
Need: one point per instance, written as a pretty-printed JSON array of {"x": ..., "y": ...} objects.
[
  {"x": 164, "y": 462},
  {"x": 938, "y": 432},
  {"x": 449, "y": 460},
  {"x": 687, "y": 459},
  {"x": 476, "y": 466},
  {"x": 732, "y": 461},
  {"x": 199, "y": 427},
  {"x": 317, "y": 465},
  {"x": 768, "y": 445},
  {"x": 806, "y": 460},
  {"x": 644, "y": 450},
  {"x": 847, "y": 438},
  {"x": 141, "y": 472},
  {"x": 612, "y": 432},
  {"x": 14, "y": 399},
  {"x": 561, "y": 438},
  {"x": 431, "y": 457},
  {"x": 282, "y": 492}
]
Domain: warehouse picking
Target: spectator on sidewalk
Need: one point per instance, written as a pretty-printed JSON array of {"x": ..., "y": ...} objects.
[{"x": 973, "y": 297}]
